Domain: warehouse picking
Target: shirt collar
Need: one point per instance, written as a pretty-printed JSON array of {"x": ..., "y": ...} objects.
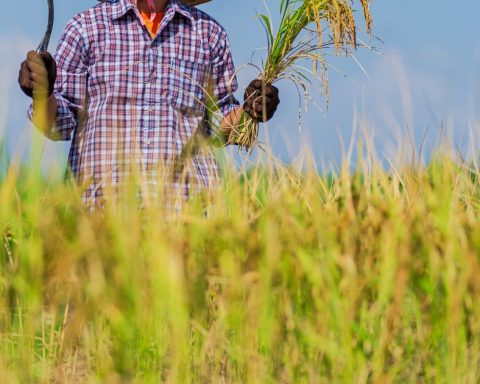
[{"x": 121, "y": 7}]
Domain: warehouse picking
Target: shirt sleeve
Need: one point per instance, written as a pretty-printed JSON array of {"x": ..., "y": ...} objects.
[
  {"x": 71, "y": 84},
  {"x": 223, "y": 76}
]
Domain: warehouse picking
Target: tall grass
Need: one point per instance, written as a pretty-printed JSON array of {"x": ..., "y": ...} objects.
[{"x": 364, "y": 276}]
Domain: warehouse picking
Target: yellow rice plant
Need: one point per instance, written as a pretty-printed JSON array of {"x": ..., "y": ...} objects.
[{"x": 358, "y": 276}]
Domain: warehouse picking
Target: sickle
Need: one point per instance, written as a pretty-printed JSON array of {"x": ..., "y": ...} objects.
[{"x": 43, "y": 47}]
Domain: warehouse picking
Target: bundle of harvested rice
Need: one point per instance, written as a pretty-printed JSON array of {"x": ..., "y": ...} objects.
[{"x": 301, "y": 36}]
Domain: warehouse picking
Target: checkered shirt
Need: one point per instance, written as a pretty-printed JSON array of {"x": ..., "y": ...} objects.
[{"x": 126, "y": 99}]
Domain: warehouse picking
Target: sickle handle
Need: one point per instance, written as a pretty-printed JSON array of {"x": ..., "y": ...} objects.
[{"x": 43, "y": 47}]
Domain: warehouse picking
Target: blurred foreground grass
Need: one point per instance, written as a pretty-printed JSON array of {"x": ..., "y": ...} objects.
[{"x": 294, "y": 277}]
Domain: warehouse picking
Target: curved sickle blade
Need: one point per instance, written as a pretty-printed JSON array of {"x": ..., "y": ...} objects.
[{"x": 43, "y": 47}]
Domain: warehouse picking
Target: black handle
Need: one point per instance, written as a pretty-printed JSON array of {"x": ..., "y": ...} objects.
[{"x": 43, "y": 47}]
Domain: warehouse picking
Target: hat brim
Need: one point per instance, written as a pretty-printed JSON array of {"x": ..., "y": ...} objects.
[
  {"x": 195, "y": 2},
  {"x": 188, "y": 2}
]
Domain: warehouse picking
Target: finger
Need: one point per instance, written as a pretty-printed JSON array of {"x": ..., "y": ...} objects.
[
  {"x": 270, "y": 102},
  {"x": 36, "y": 78},
  {"x": 40, "y": 86},
  {"x": 271, "y": 91},
  {"x": 34, "y": 57},
  {"x": 39, "y": 79},
  {"x": 248, "y": 96},
  {"x": 251, "y": 92},
  {"x": 271, "y": 98},
  {"x": 247, "y": 107},
  {"x": 35, "y": 62},
  {"x": 256, "y": 84},
  {"x": 268, "y": 95},
  {"x": 268, "y": 111},
  {"x": 24, "y": 75},
  {"x": 24, "y": 69},
  {"x": 37, "y": 68},
  {"x": 258, "y": 112},
  {"x": 31, "y": 55},
  {"x": 254, "y": 102},
  {"x": 25, "y": 82},
  {"x": 252, "y": 95},
  {"x": 249, "y": 102},
  {"x": 256, "y": 116},
  {"x": 251, "y": 110},
  {"x": 259, "y": 107}
]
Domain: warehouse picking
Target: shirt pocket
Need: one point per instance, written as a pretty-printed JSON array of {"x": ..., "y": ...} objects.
[{"x": 187, "y": 85}]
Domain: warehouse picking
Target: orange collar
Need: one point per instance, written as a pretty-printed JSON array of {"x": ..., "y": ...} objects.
[{"x": 152, "y": 21}]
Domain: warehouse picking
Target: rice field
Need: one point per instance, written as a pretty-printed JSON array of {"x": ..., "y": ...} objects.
[
  {"x": 365, "y": 273},
  {"x": 284, "y": 274}
]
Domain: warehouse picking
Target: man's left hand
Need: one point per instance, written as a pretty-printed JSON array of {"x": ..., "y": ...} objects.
[{"x": 254, "y": 102}]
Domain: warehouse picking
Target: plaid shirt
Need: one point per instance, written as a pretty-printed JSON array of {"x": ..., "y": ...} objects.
[{"x": 126, "y": 99}]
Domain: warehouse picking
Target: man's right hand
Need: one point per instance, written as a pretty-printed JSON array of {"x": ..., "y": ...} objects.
[{"x": 38, "y": 74}]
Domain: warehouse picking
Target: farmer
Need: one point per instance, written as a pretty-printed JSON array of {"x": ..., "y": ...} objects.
[{"x": 129, "y": 85}]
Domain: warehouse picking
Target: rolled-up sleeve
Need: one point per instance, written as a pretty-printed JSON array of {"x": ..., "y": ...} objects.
[
  {"x": 223, "y": 75},
  {"x": 71, "y": 84}
]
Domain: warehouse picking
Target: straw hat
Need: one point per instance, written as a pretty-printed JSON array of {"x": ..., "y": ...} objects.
[
  {"x": 195, "y": 2},
  {"x": 188, "y": 2}
]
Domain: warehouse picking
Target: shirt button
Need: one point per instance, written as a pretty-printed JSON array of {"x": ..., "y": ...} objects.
[{"x": 146, "y": 141}]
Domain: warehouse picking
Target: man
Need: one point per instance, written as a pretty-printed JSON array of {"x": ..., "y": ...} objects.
[{"x": 130, "y": 84}]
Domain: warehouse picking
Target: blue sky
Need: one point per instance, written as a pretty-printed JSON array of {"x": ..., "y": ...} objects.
[{"x": 425, "y": 79}]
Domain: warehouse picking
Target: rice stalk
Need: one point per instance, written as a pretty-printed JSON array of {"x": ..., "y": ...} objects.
[
  {"x": 294, "y": 276},
  {"x": 300, "y": 36}
]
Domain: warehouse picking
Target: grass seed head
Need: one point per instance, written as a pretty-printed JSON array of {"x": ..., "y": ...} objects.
[{"x": 295, "y": 40}]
